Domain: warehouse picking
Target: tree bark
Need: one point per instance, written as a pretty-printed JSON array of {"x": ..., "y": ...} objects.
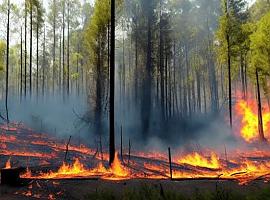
[
  {"x": 25, "y": 49},
  {"x": 37, "y": 62},
  {"x": 260, "y": 118},
  {"x": 54, "y": 44},
  {"x": 68, "y": 67},
  {"x": 7, "y": 62},
  {"x": 112, "y": 85},
  {"x": 21, "y": 70},
  {"x": 31, "y": 47}
]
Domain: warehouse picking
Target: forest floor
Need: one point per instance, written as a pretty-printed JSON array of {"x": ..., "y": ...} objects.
[{"x": 137, "y": 189}]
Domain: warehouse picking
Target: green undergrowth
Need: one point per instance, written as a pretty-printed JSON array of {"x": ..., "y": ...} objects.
[{"x": 146, "y": 192}]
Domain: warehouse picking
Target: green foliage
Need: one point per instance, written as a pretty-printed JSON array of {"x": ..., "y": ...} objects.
[
  {"x": 2, "y": 54},
  {"x": 260, "y": 45},
  {"x": 259, "y": 9},
  {"x": 95, "y": 32}
]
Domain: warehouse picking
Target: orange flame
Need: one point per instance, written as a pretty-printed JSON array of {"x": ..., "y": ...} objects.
[
  {"x": 195, "y": 159},
  {"x": 8, "y": 164},
  {"x": 77, "y": 169},
  {"x": 249, "y": 129}
]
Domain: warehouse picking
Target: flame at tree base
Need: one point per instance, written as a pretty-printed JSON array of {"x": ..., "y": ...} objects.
[{"x": 77, "y": 170}]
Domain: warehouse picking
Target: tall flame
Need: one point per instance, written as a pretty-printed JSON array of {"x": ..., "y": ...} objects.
[{"x": 249, "y": 129}]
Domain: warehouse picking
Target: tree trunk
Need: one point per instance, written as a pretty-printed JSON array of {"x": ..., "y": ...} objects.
[
  {"x": 43, "y": 65},
  {"x": 7, "y": 62},
  {"x": 60, "y": 64},
  {"x": 54, "y": 45},
  {"x": 68, "y": 67},
  {"x": 25, "y": 49},
  {"x": 63, "y": 52},
  {"x": 112, "y": 84},
  {"x": 260, "y": 118},
  {"x": 37, "y": 62},
  {"x": 21, "y": 70},
  {"x": 31, "y": 47}
]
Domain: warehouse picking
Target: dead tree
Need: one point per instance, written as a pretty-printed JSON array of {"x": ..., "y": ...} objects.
[{"x": 112, "y": 83}]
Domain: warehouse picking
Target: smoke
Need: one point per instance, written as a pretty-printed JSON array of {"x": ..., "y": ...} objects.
[{"x": 50, "y": 114}]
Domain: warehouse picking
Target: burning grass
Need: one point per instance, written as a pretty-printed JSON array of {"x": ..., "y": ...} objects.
[{"x": 36, "y": 151}]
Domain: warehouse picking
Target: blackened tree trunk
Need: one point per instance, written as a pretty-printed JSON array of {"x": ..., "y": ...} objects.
[
  {"x": 25, "y": 49},
  {"x": 37, "y": 75},
  {"x": 63, "y": 51},
  {"x": 229, "y": 67},
  {"x": 54, "y": 45},
  {"x": 68, "y": 67},
  {"x": 43, "y": 64},
  {"x": 77, "y": 71},
  {"x": 112, "y": 84},
  {"x": 260, "y": 119},
  {"x": 21, "y": 70},
  {"x": 31, "y": 47},
  {"x": 60, "y": 64},
  {"x": 229, "y": 77},
  {"x": 7, "y": 61}
]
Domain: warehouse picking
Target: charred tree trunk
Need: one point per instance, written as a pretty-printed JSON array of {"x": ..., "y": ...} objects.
[
  {"x": 37, "y": 77},
  {"x": 68, "y": 38},
  {"x": 112, "y": 85},
  {"x": 7, "y": 61},
  {"x": 229, "y": 68},
  {"x": 31, "y": 47},
  {"x": 21, "y": 70},
  {"x": 25, "y": 49},
  {"x": 54, "y": 45},
  {"x": 63, "y": 52},
  {"x": 260, "y": 118},
  {"x": 60, "y": 64},
  {"x": 43, "y": 65}
]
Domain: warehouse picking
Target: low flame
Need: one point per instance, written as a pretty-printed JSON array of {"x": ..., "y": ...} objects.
[
  {"x": 77, "y": 169},
  {"x": 8, "y": 164},
  {"x": 198, "y": 160}
]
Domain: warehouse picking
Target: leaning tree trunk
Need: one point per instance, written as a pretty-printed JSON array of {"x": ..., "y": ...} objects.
[{"x": 112, "y": 83}]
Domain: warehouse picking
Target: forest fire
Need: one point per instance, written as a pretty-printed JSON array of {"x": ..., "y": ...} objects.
[
  {"x": 21, "y": 143},
  {"x": 77, "y": 170},
  {"x": 195, "y": 159},
  {"x": 249, "y": 127}
]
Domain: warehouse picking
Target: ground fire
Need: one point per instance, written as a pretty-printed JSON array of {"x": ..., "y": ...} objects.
[{"x": 42, "y": 155}]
